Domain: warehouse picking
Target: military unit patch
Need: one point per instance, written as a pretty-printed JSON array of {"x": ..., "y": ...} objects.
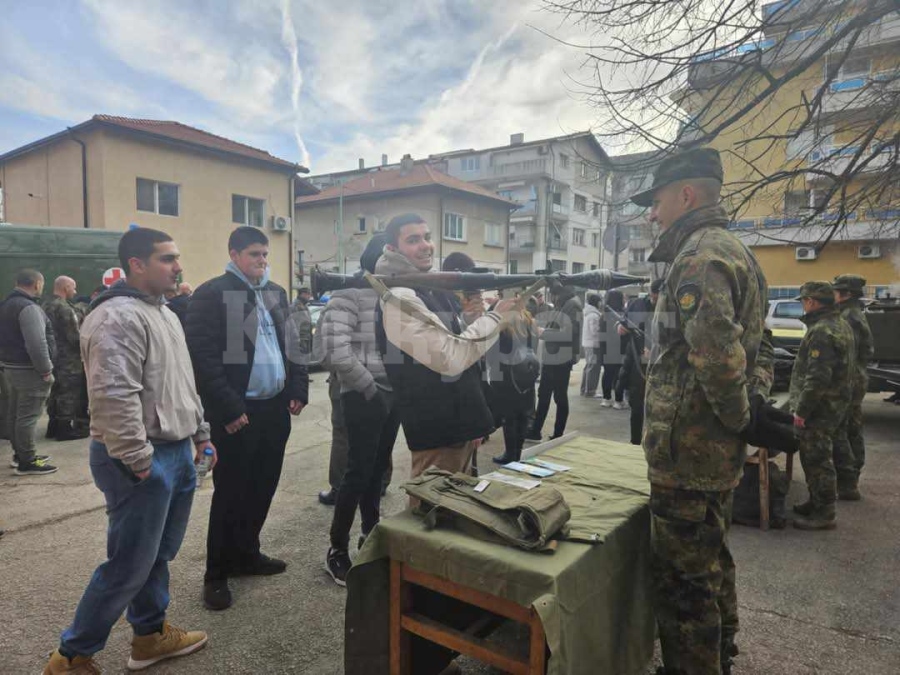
[
  {"x": 814, "y": 353},
  {"x": 688, "y": 297}
]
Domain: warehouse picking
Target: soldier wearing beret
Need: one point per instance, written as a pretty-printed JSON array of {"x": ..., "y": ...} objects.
[
  {"x": 704, "y": 370},
  {"x": 849, "y": 444},
  {"x": 821, "y": 388}
]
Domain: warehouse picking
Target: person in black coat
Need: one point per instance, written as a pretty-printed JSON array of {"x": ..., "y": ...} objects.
[
  {"x": 514, "y": 368},
  {"x": 250, "y": 375}
]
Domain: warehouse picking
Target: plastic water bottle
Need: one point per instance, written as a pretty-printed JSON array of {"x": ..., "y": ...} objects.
[{"x": 204, "y": 465}]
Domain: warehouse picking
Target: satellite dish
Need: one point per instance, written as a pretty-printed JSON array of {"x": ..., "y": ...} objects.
[{"x": 615, "y": 244}]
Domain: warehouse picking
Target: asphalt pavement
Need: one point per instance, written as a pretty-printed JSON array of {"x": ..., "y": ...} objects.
[{"x": 810, "y": 602}]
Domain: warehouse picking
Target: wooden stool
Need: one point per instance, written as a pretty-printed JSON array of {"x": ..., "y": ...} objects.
[
  {"x": 405, "y": 622},
  {"x": 761, "y": 458}
]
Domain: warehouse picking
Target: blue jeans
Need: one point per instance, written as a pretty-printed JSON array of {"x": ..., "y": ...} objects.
[{"x": 147, "y": 522}]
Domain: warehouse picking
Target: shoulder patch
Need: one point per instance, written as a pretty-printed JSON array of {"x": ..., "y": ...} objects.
[
  {"x": 688, "y": 296},
  {"x": 814, "y": 353}
]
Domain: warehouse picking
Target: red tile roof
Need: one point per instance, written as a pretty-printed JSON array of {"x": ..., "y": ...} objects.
[
  {"x": 392, "y": 180},
  {"x": 182, "y": 132}
]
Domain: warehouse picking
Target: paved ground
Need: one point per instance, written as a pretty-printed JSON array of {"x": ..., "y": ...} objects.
[{"x": 810, "y": 602}]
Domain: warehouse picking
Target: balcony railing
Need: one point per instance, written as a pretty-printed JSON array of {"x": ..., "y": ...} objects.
[
  {"x": 525, "y": 167},
  {"x": 836, "y": 160},
  {"x": 558, "y": 244},
  {"x": 887, "y": 214}
]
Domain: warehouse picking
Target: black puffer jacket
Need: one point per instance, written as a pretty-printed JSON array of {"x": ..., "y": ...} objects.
[{"x": 221, "y": 334}]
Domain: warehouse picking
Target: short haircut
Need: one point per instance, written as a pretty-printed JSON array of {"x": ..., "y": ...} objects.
[
  {"x": 392, "y": 231},
  {"x": 709, "y": 189},
  {"x": 245, "y": 236},
  {"x": 615, "y": 300},
  {"x": 28, "y": 278},
  {"x": 139, "y": 243},
  {"x": 458, "y": 262},
  {"x": 594, "y": 300}
]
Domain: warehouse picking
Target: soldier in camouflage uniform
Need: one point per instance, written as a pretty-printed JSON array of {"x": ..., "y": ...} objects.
[
  {"x": 66, "y": 403},
  {"x": 849, "y": 446},
  {"x": 821, "y": 389},
  {"x": 703, "y": 371}
]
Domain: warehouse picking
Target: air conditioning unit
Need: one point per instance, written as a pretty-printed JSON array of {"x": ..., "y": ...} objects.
[
  {"x": 805, "y": 253},
  {"x": 281, "y": 223},
  {"x": 869, "y": 251}
]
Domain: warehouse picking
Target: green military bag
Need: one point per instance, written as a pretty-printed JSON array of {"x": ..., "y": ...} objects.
[{"x": 528, "y": 519}]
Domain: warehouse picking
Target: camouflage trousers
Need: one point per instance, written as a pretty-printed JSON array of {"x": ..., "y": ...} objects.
[
  {"x": 849, "y": 446},
  {"x": 68, "y": 397},
  {"x": 693, "y": 578},
  {"x": 815, "y": 447}
]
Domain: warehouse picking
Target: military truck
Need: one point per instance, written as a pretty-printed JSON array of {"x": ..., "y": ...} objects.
[
  {"x": 884, "y": 368},
  {"x": 75, "y": 252}
]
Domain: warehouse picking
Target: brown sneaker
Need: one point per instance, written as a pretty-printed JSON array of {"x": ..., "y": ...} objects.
[
  {"x": 79, "y": 665},
  {"x": 171, "y": 642}
]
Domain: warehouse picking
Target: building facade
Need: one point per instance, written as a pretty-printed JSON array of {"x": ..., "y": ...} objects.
[
  {"x": 333, "y": 227},
  {"x": 851, "y": 85},
  {"x": 110, "y": 172}
]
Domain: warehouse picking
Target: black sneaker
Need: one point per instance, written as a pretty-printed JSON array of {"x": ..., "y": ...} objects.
[
  {"x": 337, "y": 564},
  {"x": 216, "y": 595},
  {"x": 328, "y": 497},
  {"x": 263, "y": 566},
  {"x": 14, "y": 462},
  {"x": 38, "y": 467}
]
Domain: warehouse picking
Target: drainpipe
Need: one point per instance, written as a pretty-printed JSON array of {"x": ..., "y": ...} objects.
[
  {"x": 292, "y": 278},
  {"x": 84, "y": 185}
]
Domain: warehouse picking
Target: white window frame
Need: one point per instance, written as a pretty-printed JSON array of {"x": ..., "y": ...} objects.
[
  {"x": 247, "y": 200},
  {"x": 563, "y": 160},
  {"x": 494, "y": 228},
  {"x": 156, "y": 184},
  {"x": 454, "y": 220},
  {"x": 361, "y": 226},
  {"x": 470, "y": 164},
  {"x": 595, "y": 240},
  {"x": 575, "y": 203},
  {"x": 637, "y": 255},
  {"x": 577, "y": 236},
  {"x": 577, "y": 267}
]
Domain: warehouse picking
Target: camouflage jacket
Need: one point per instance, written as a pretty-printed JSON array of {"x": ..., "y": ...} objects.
[
  {"x": 852, "y": 312},
  {"x": 821, "y": 383},
  {"x": 65, "y": 321},
  {"x": 708, "y": 331}
]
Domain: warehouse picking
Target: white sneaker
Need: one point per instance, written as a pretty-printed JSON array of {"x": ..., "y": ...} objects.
[
  {"x": 618, "y": 406},
  {"x": 604, "y": 403}
]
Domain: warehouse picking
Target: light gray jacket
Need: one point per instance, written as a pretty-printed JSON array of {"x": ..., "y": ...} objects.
[{"x": 345, "y": 341}]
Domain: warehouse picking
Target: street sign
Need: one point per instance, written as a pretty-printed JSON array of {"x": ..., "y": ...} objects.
[{"x": 112, "y": 275}]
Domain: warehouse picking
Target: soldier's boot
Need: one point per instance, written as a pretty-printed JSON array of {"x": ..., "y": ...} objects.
[
  {"x": 67, "y": 431},
  {"x": 803, "y": 509},
  {"x": 848, "y": 491},
  {"x": 51, "y": 428},
  {"x": 729, "y": 651},
  {"x": 820, "y": 518}
]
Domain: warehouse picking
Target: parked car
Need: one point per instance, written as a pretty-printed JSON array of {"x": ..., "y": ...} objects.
[{"x": 783, "y": 319}]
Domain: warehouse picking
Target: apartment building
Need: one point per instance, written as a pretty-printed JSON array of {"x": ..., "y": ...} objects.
[
  {"x": 110, "y": 172},
  {"x": 854, "y": 81},
  {"x": 334, "y": 226}
]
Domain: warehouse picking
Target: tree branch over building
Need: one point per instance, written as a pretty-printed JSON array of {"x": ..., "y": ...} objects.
[{"x": 801, "y": 96}]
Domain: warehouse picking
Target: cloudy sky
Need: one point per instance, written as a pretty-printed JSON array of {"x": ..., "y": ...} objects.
[{"x": 308, "y": 80}]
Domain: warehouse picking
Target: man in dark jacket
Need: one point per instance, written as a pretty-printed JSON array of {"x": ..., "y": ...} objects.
[
  {"x": 635, "y": 328},
  {"x": 431, "y": 362},
  {"x": 561, "y": 344},
  {"x": 27, "y": 347},
  {"x": 249, "y": 375}
]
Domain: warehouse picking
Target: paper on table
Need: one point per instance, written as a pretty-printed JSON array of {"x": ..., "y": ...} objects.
[
  {"x": 529, "y": 469},
  {"x": 548, "y": 465},
  {"x": 512, "y": 480}
]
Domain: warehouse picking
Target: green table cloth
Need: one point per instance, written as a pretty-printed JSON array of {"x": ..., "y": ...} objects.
[{"x": 593, "y": 598}]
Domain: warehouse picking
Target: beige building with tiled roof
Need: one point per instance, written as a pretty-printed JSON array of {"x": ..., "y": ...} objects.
[
  {"x": 109, "y": 172},
  {"x": 334, "y": 226}
]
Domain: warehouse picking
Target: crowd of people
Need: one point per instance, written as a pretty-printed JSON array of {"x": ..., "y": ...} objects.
[{"x": 173, "y": 374}]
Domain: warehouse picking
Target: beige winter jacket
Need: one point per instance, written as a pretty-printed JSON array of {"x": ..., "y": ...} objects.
[{"x": 140, "y": 381}]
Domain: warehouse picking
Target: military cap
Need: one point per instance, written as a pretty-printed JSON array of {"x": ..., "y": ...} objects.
[
  {"x": 696, "y": 163},
  {"x": 822, "y": 291},
  {"x": 852, "y": 283}
]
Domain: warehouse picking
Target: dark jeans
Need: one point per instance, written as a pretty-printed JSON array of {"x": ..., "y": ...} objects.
[
  {"x": 515, "y": 426},
  {"x": 636, "y": 401},
  {"x": 337, "y": 462},
  {"x": 610, "y": 376},
  {"x": 555, "y": 383},
  {"x": 245, "y": 479},
  {"x": 147, "y": 522},
  {"x": 371, "y": 430}
]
